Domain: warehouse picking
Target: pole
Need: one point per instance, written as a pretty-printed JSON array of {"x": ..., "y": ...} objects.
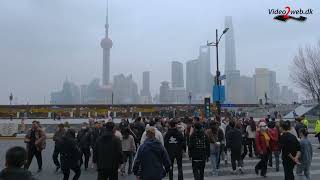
[
  {"x": 218, "y": 83},
  {"x": 189, "y": 97}
]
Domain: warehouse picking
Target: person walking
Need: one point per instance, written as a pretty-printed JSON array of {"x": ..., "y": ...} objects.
[
  {"x": 70, "y": 155},
  {"x": 128, "y": 149},
  {"x": 174, "y": 143},
  {"x": 36, "y": 142},
  {"x": 213, "y": 133},
  {"x": 152, "y": 160},
  {"x": 57, "y": 137},
  {"x": 303, "y": 169},
  {"x": 274, "y": 133},
  {"x": 84, "y": 141},
  {"x": 299, "y": 126},
  {"x": 290, "y": 148},
  {"x": 158, "y": 134},
  {"x": 251, "y": 132},
  {"x": 96, "y": 132},
  {"x": 263, "y": 149},
  {"x": 317, "y": 130},
  {"x": 15, "y": 160},
  {"x": 108, "y": 153},
  {"x": 234, "y": 143},
  {"x": 199, "y": 150}
]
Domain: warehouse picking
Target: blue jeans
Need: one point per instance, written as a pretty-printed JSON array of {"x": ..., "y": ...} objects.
[
  {"x": 214, "y": 158},
  {"x": 303, "y": 171},
  {"x": 276, "y": 156}
]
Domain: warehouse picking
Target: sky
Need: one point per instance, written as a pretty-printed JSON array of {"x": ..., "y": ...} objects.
[{"x": 45, "y": 42}]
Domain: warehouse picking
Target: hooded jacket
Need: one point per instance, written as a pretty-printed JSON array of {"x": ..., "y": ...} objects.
[
  {"x": 108, "y": 151},
  {"x": 152, "y": 161},
  {"x": 16, "y": 174},
  {"x": 174, "y": 142}
]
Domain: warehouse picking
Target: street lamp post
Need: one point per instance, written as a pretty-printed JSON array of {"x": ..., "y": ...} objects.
[
  {"x": 218, "y": 81},
  {"x": 10, "y": 98}
]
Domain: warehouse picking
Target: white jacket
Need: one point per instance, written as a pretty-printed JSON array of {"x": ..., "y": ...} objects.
[{"x": 158, "y": 135}]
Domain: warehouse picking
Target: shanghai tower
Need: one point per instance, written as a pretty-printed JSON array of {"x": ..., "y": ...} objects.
[
  {"x": 230, "y": 47},
  {"x": 106, "y": 45},
  {"x": 232, "y": 82}
]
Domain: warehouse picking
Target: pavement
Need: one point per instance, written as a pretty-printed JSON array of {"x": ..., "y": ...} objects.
[{"x": 49, "y": 173}]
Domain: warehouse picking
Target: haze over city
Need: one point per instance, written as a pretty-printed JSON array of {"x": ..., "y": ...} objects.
[{"x": 45, "y": 42}]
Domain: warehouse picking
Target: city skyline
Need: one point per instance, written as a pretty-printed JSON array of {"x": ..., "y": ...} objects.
[{"x": 79, "y": 56}]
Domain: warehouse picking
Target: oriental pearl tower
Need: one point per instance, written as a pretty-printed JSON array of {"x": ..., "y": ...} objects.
[{"x": 106, "y": 45}]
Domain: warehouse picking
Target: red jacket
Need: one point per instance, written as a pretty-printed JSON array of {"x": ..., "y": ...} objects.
[
  {"x": 261, "y": 145},
  {"x": 274, "y": 139}
]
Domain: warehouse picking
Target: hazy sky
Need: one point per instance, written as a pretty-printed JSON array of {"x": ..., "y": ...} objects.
[{"x": 44, "y": 41}]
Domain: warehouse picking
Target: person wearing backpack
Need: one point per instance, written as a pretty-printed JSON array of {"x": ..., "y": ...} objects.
[
  {"x": 199, "y": 149},
  {"x": 212, "y": 134}
]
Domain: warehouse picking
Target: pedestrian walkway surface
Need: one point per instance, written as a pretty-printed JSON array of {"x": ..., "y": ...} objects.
[{"x": 49, "y": 173}]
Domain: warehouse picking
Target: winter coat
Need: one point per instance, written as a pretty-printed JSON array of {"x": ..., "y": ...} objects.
[
  {"x": 108, "y": 151},
  {"x": 261, "y": 143},
  {"x": 159, "y": 137},
  {"x": 199, "y": 146},
  {"x": 57, "y": 137},
  {"x": 317, "y": 127},
  {"x": 234, "y": 140},
  {"x": 152, "y": 161},
  {"x": 174, "y": 142},
  {"x": 95, "y": 134},
  {"x": 40, "y": 141},
  {"x": 128, "y": 144},
  {"x": 84, "y": 138},
  {"x": 16, "y": 174},
  {"x": 69, "y": 152},
  {"x": 274, "y": 139}
]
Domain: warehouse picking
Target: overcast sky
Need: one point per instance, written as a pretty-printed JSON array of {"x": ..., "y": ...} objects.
[{"x": 44, "y": 41}]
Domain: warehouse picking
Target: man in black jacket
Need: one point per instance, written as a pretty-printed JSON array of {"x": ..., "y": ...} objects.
[
  {"x": 108, "y": 154},
  {"x": 70, "y": 155},
  {"x": 84, "y": 141},
  {"x": 174, "y": 142},
  {"x": 234, "y": 143},
  {"x": 95, "y": 134},
  {"x": 57, "y": 137},
  {"x": 199, "y": 149},
  {"x": 15, "y": 160}
]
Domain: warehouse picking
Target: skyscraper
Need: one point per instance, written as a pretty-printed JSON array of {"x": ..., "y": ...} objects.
[
  {"x": 230, "y": 64},
  {"x": 204, "y": 71},
  {"x": 177, "y": 80},
  {"x": 231, "y": 72},
  {"x": 106, "y": 44},
  {"x": 145, "y": 92},
  {"x": 164, "y": 96},
  {"x": 193, "y": 79},
  {"x": 263, "y": 80}
]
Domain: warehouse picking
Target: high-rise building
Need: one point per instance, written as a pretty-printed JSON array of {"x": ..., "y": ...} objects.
[
  {"x": 231, "y": 72},
  {"x": 70, "y": 94},
  {"x": 177, "y": 80},
  {"x": 106, "y": 45},
  {"x": 263, "y": 80},
  {"x": 145, "y": 91},
  {"x": 204, "y": 71},
  {"x": 125, "y": 90},
  {"x": 246, "y": 90},
  {"x": 164, "y": 96},
  {"x": 230, "y": 52},
  {"x": 193, "y": 78}
]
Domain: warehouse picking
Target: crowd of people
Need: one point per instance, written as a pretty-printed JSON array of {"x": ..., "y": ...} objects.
[{"x": 149, "y": 147}]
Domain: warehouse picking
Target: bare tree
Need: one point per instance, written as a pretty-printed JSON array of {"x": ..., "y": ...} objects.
[{"x": 305, "y": 71}]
